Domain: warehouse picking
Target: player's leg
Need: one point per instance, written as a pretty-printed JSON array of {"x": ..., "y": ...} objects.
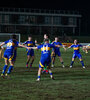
[
  {"x": 6, "y": 64},
  {"x": 53, "y": 58},
  {"x": 11, "y": 65},
  {"x": 60, "y": 58},
  {"x": 80, "y": 58},
  {"x": 32, "y": 61},
  {"x": 49, "y": 69},
  {"x": 72, "y": 62},
  {"x": 28, "y": 60},
  {"x": 32, "y": 56},
  {"x": 41, "y": 65},
  {"x": 39, "y": 74},
  {"x": 5, "y": 67}
]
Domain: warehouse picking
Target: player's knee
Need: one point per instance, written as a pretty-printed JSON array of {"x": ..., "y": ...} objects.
[
  {"x": 80, "y": 59},
  {"x": 73, "y": 59}
]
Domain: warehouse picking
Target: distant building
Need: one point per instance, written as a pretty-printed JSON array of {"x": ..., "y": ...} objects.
[{"x": 39, "y": 21}]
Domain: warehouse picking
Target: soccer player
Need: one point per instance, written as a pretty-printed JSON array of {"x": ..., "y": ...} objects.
[
  {"x": 86, "y": 48},
  {"x": 45, "y": 57},
  {"x": 76, "y": 53},
  {"x": 46, "y": 37},
  {"x": 30, "y": 53},
  {"x": 56, "y": 51},
  {"x": 9, "y": 54}
]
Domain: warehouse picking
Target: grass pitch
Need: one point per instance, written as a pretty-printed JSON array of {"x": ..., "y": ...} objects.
[{"x": 69, "y": 84}]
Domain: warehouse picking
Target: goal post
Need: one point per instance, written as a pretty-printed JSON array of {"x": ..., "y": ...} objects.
[{"x": 6, "y": 36}]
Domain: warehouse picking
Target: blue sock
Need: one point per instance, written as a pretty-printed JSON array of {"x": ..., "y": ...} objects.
[
  {"x": 51, "y": 73},
  {"x": 72, "y": 63},
  {"x": 82, "y": 63},
  {"x": 62, "y": 63},
  {"x": 53, "y": 63},
  {"x": 10, "y": 69},
  {"x": 4, "y": 69},
  {"x": 38, "y": 76}
]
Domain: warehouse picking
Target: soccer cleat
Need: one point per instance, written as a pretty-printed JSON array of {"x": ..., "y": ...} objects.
[
  {"x": 70, "y": 66},
  {"x": 52, "y": 66},
  {"x": 38, "y": 79},
  {"x": 63, "y": 66},
  {"x": 52, "y": 77},
  {"x": 2, "y": 75},
  {"x": 84, "y": 67}
]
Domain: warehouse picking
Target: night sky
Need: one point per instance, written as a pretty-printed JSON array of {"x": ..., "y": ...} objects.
[{"x": 78, "y": 5}]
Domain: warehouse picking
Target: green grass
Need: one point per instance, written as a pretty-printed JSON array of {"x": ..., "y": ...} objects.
[{"x": 69, "y": 84}]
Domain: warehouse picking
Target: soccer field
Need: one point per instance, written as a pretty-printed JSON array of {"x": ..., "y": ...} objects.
[{"x": 69, "y": 84}]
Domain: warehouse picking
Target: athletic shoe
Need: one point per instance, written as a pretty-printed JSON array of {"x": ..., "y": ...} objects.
[
  {"x": 70, "y": 66},
  {"x": 52, "y": 66},
  {"x": 38, "y": 79},
  {"x": 63, "y": 66},
  {"x": 52, "y": 77},
  {"x": 2, "y": 75},
  {"x": 84, "y": 67}
]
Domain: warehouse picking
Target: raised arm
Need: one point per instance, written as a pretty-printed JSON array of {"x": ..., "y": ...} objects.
[
  {"x": 64, "y": 47},
  {"x": 33, "y": 48}
]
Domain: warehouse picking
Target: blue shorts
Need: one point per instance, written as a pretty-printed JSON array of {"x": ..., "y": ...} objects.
[
  {"x": 57, "y": 53},
  {"x": 30, "y": 52},
  {"x": 44, "y": 61},
  {"x": 77, "y": 55},
  {"x": 8, "y": 56}
]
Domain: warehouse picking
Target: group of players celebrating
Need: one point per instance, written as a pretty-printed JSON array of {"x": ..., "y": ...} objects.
[{"x": 46, "y": 56}]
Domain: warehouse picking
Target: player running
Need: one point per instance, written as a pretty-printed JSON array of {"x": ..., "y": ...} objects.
[
  {"x": 9, "y": 54},
  {"x": 30, "y": 53},
  {"x": 46, "y": 37},
  {"x": 76, "y": 53},
  {"x": 45, "y": 57},
  {"x": 57, "y": 52}
]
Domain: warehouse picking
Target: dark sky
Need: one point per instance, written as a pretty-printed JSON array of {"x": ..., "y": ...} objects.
[
  {"x": 79, "y": 5},
  {"x": 48, "y": 4}
]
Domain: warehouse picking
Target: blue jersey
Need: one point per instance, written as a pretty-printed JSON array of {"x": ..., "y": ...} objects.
[
  {"x": 76, "y": 48},
  {"x": 29, "y": 43},
  {"x": 45, "y": 49},
  {"x": 56, "y": 49},
  {"x": 11, "y": 44}
]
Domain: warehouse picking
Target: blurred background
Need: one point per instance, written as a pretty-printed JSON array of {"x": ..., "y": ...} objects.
[{"x": 66, "y": 19}]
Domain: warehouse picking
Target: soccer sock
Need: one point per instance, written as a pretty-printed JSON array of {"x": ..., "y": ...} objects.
[
  {"x": 10, "y": 69},
  {"x": 62, "y": 63},
  {"x": 4, "y": 69},
  {"x": 72, "y": 63},
  {"x": 82, "y": 63},
  {"x": 50, "y": 72},
  {"x": 39, "y": 76},
  {"x": 53, "y": 63}
]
